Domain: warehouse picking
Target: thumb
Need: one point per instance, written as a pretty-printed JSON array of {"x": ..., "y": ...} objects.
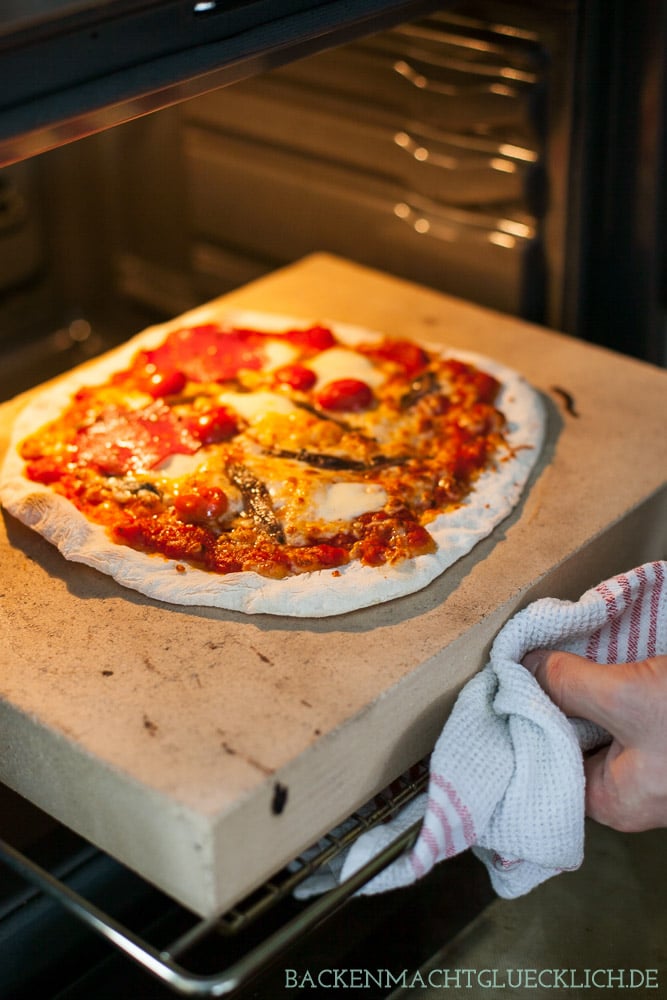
[{"x": 582, "y": 688}]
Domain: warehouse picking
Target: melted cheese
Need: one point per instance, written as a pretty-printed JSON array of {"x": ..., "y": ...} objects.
[
  {"x": 278, "y": 353},
  {"x": 345, "y": 501},
  {"x": 256, "y": 405},
  {"x": 338, "y": 362}
]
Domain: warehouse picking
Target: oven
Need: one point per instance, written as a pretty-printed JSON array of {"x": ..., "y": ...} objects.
[{"x": 503, "y": 158}]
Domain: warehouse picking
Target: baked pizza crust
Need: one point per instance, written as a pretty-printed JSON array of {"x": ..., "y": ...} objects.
[{"x": 317, "y": 594}]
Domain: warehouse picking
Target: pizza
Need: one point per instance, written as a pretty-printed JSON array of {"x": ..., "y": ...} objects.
[{"x": 266, "y": 464}]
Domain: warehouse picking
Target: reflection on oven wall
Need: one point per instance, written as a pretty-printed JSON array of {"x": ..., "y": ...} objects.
[
  {"x": 433, "y": 175},
  {"x": 448, "y": 151},
  {"x": 419, "y": 151}
]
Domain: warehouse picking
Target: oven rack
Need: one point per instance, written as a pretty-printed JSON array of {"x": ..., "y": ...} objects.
[{"x": 168, "y": 963}]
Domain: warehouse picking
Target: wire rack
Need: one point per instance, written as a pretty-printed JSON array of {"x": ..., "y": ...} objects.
[{"x": 169, "y": 963}]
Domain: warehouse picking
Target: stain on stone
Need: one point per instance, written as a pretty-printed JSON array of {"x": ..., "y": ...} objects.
[
  {"x": 279, "y": 800},
  {"x": 567, "y": 399},
  {"x": 263, "y": 658},
  {"x": 107, "y": 673}
]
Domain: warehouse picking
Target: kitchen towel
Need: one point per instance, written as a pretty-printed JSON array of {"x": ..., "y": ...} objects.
[{"x": 506, "y": 775}]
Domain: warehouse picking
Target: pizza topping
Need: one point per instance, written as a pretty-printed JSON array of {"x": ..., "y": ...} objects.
[
  {"x": 346, "y": 501},
  {"x": 173, "y": 539},
  {"x": 322, "y": 461},
  {"x": 159, "y": 383},
  {"x": 212, "y": 426},
  {"x": 406, "y": 357},
  {"x": 345, "y": 395},
  {"x": 257, "y": 500},
  {"x": 205, "y": 505},
  {"x": 255, "y": 406},
  {"x": 421, "y": 386},
  {"x": 297, "y": 377},
  {"x": 118, "y": 442},
  {"x": 314, "y": 338},
  {"x": 388, "y": 539},
  {"x": 208, "y": 354},
  {"x": 277, "y": 353},
  {"x": 344, "y": 363}
]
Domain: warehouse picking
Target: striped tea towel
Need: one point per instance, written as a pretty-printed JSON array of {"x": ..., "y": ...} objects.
[{"x": 506, "y": 775}]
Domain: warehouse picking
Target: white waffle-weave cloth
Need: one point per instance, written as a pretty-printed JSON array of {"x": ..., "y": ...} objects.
[{"x": 506, "y": 775}]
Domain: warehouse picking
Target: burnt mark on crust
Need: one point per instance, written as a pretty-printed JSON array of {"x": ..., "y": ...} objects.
[
  {"x": 279, "y": 800},
  {"x": 567, "y": 399}
]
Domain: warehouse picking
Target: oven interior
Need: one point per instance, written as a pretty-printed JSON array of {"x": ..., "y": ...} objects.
[{"x": 474, "y": 164}]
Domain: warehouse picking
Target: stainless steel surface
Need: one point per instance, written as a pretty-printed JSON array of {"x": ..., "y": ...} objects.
[{"x": 71, "y": 76}]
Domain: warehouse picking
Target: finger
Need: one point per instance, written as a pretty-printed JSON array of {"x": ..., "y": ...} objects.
[
  {"x": 584, "y": 689},
  {"x": 617, "y": 794},
  {"x": 602, "y": 800}
]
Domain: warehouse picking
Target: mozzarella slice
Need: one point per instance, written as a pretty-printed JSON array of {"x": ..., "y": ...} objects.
[
  {"x": 278, "y": 353},
  {"x": 255, "y": 405},
  {"x": 338, "y": 362},
  {"x": 345, "y": 501}
]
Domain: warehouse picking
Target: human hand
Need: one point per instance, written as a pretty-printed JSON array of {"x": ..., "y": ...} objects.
[{"x": 626, "y": 781}]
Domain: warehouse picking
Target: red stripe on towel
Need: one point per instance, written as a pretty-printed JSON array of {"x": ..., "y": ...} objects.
[
  {"x": 636, "y": 615},
  {"x": 461, "y": 810},
  {"x": 655, "y": 604},
  {"x": 436, "y": 809}
]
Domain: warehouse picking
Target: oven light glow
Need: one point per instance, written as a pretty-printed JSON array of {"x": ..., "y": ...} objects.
[
  {"x": 514, "y": 228},
  {"x": 79, "y": 330},
  {"x": 420, "y": 153},
  {"x": 517, "y": 152},
  {"x": 502, "y": 240},
  {"x": 505, "y": 166}
]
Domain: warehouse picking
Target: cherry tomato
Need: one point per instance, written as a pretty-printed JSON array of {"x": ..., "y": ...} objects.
[
  {"x": 345, "y": 395},
  {"x": 315, "y": 338},
  {"x": 409, "y": 357},
  {"x": 213, "y": 425},
  {"x": 44, "y": 470},
  {"x": 207, "y": 503},
  {"x": 159, "y": 384},
  {"x": 486, "y": 387},
  {"x": 296, "y": 377}
]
